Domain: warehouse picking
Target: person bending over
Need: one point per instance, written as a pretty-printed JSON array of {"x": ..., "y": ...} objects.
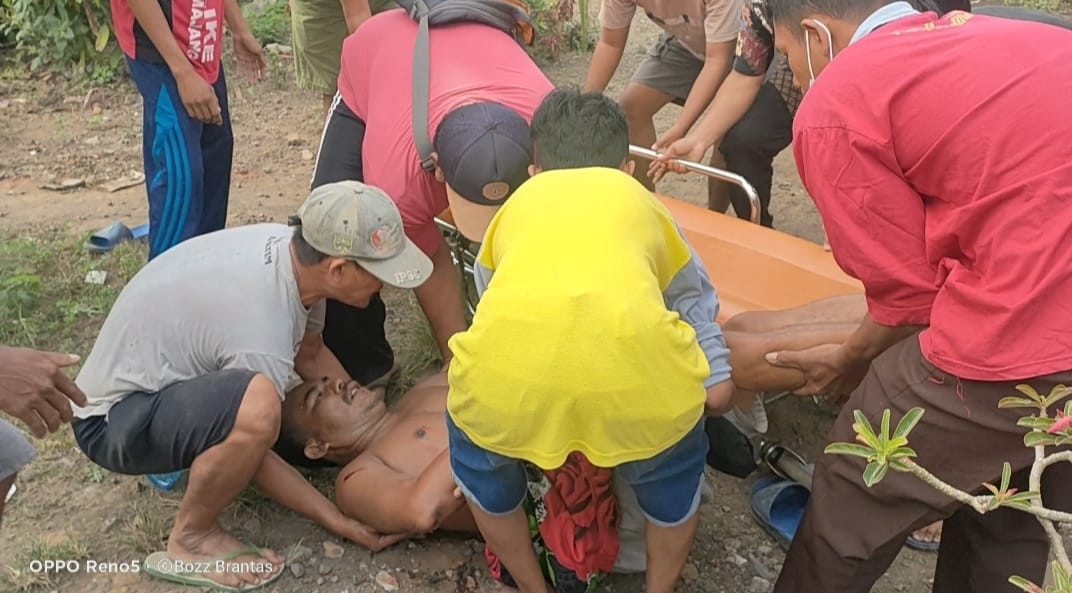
[{"x": 597, "y": 318}]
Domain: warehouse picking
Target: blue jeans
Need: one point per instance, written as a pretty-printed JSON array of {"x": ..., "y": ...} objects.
[{"x": 667, "y": 485}]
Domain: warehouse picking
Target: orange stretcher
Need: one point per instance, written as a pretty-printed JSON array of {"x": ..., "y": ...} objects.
[{"x": 752, "y": 267}]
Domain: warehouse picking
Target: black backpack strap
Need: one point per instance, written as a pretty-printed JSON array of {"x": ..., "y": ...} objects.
[{"x": 421, "y": 58}]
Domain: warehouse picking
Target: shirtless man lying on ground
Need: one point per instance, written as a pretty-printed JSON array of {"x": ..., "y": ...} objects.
[
  {"x": 396, "y": 474},
  {"x": 395, "y": 465}
]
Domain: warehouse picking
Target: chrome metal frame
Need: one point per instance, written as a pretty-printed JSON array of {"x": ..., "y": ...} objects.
[{"x": 709, "y": 171}]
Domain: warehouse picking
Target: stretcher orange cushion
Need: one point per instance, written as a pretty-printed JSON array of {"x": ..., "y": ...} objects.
[{"x": 753, "y": 267}]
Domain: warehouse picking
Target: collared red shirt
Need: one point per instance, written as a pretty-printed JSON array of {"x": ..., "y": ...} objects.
[{"x": 937, "y": 152}]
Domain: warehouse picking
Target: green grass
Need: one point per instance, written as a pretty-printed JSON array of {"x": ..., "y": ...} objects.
[
  {"x": 45, "y": 302},
  {"x": 20, "y": 577},
  {"x": 1054, "y": 6}
]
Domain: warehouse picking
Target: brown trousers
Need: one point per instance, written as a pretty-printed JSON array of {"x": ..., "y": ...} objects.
[{"x": 851, "y": 534}]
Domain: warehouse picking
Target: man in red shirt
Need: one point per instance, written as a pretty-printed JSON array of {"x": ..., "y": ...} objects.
[
  {"x": 937, "y": 151},
  {"x": 483, "y": 90}
]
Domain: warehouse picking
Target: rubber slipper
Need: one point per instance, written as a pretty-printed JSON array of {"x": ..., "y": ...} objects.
[
  {"x": 922, "y": 546},
  {"x": 778, "y": 506},
  {"x": 107, "y": 238},
  {"x": 161, "y": 566},
  {"x": 139, "y": 232}
]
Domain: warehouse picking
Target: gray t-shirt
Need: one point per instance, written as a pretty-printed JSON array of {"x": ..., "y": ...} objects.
[{"x": 226, "y": 300}]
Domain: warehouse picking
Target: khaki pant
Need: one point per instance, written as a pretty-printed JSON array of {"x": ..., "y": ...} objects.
[
  {"x": 317, "y": 30},
  {"x": 851, "y": 534}
]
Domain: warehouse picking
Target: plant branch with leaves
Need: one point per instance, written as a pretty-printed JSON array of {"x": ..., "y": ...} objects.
[{"x": 884, "y": 450}]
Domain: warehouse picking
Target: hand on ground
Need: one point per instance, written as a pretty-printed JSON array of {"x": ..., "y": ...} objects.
[{"x": 363, "y": 535}]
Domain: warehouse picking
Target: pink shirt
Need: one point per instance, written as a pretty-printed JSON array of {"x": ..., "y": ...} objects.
[
  {"x": 939, "y": 154},
  {"x": 693, "y": 23},
  {"x": 470, "y": 63}
]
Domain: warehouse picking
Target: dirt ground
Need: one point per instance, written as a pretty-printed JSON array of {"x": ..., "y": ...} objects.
[{"x": 67, "y": 508}]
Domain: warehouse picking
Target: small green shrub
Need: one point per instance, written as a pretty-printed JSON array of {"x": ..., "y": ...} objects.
[
  {"x": 270, "y": 22},
  {"x": 73, "y": 35}
]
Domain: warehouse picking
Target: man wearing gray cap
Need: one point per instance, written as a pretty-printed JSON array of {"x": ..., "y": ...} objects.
[
  {"x": 482, "y": 92},
  {"x": 190, "y": 367}
]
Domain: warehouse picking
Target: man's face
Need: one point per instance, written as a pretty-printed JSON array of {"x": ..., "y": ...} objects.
[
  {"x": 350, "y": 283},
  {"x": 335, "y": 412},
  {"x": 791, "y": 43}
]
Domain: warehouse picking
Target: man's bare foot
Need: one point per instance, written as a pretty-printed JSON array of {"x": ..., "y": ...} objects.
[
  {"x": 931, "y": 534},
  {"x": 208, "y": 546}
]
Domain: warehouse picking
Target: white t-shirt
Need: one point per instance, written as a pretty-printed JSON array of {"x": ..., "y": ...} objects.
[{"x": 225, "y": 300}]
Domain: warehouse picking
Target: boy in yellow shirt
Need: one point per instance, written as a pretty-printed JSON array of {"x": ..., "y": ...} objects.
[{"x": 594, "y": 334}]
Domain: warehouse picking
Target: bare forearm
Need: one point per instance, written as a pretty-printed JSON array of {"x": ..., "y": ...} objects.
[
  {"x": 752, "y": 371},
  {"x": 605, "y": 60},
  {"x": 355, "y": 12},
  {"x": 716, "y": 66},
  {"x": 731, "y": 102},
  {"x": 151, "y": 19},
  {"x": 232, "y": 12},
  {"x": 435, "y": 490},
  {"x": 392, "y": 502},
  {"x": 871, "y": 339},
  {"x": 315, "y": 360},
  {"x": 282, "y": 483},
  {"x": 441, "y": 299},
  {"x": 719, "y": 398}
]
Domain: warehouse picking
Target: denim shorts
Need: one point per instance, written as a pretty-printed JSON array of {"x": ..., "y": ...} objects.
[{"x": 667, "y": 486}]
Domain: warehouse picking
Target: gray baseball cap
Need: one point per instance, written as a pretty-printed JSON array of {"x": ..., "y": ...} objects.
[{"x": 359, "y": 222}]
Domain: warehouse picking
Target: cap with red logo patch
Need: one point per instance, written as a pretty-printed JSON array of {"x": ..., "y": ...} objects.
[{"x": 360, "y": 222}]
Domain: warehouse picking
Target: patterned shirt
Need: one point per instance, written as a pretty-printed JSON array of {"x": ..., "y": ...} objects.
[
  {"x": 756, "y": 55},
  {"x": 755, "y": 47}
]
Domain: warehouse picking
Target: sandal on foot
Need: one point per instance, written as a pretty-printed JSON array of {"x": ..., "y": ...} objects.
[{"x": 161, "y": 566}]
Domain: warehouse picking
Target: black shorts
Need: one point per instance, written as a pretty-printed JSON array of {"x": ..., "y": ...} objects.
[
  {"x": 341, "y": 143},
  {"x": 157, "y": 433}
]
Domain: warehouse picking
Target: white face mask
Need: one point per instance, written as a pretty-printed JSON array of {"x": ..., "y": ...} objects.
[{"x": 807, "y": 48}]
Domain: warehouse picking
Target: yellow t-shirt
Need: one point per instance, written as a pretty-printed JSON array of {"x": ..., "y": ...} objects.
[{"x": 573, "y": 347}]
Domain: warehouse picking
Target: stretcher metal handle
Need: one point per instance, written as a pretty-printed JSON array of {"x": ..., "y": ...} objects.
[{"x": 709, "y": 171}]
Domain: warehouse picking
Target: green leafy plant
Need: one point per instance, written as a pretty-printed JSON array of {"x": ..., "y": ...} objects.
[
  {"x": 884, "y": 451},
  {"x": 62, "y": 33},
  {"x": 270, "y": 22}
]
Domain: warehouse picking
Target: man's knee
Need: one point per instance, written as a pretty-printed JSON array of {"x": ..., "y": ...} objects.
[
  {"x": 639, "y": 103},
  {"x": 260, "y": 413}
]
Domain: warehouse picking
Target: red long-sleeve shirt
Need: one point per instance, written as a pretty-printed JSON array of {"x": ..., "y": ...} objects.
[{"x": 939, "y": 154}]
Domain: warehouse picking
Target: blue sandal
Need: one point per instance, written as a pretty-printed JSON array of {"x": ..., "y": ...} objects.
[
  {"x": 108, "y": 238},
  {"x": 778, "y": 506}
]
